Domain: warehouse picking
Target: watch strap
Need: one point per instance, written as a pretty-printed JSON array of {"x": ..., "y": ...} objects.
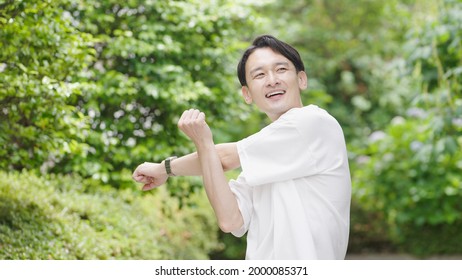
[{"x": 168, "y": 167}]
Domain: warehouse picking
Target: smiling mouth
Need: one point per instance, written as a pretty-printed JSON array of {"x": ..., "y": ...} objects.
[{"x": 275, "y": 93}]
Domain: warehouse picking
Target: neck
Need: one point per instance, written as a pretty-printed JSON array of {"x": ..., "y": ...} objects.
[{"x": 274, "y": 117}]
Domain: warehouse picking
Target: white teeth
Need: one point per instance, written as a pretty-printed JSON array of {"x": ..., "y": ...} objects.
[{"x": 274, "y": 93}]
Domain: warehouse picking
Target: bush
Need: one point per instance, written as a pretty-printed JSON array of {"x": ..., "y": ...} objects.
[
  {"x": 410, "y": 171},
  {"x": 368, "y": 231},
  {"x": 63, "y": 217},
  {"x": 41, "y": 59},
  {"x": 412, "y": 178}
]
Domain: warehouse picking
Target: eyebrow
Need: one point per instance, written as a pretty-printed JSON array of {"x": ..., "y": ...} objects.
[{"x": 275, "y": 64}]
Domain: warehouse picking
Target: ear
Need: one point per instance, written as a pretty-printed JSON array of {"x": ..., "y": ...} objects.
[
  {"x": 302, "y": 80},
  {"x": 246, "y": 94}
]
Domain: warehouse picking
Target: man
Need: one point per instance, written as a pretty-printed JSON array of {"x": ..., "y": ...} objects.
[{"x": 293, "y": 194}]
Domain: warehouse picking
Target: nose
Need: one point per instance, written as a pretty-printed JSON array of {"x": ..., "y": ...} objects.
[{"x": 272, "y": 79}]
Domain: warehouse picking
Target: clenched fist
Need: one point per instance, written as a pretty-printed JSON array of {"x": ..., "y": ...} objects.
[
  {"x": 150, "y": 174},
  {"x": 193, "y": 124}
]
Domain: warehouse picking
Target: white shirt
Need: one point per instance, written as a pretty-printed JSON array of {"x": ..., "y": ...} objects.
[{"x": 294, "y": 189}]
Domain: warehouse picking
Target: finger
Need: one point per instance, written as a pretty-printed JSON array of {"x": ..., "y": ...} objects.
[
  {"x": 149, "y": 186},
  {"x": 136, "y": 176},
  {"x": 194, "y": 114},
  {"x": 184, "y": 115},
  {"x": 143, "y": 179},
  {"x": 146, "y": 187},
  {"x": 137, "y": 171},
  {"x": 184, "y": 118},
  {"x": 188, "y": 118},
  {"x": 139, "y": 176},
  {"x": 201, "y": 116}
]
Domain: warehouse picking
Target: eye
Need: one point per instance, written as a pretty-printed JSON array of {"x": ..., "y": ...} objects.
[
  {"x": 281, "y": 69},
  {"x": 258, "y": 75}
]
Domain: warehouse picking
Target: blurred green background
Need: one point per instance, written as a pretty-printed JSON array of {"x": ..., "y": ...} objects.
[{"x": 90, "y": 89}]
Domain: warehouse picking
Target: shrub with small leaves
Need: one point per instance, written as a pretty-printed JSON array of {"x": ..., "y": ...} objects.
[
  {"x": 66, "y": 217},
  {"x": 411, "y": 171}
]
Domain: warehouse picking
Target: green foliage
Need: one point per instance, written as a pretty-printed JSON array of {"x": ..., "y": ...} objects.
[
  {"x": 64, "y": 217},
  {"x": 42, "y": 55},
  {"x": 231, "y": 247},
  {"x": 412, "y": 170},
  {"x": 368, "y": 231}
]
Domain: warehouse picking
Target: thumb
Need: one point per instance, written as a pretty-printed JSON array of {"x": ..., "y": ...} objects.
[{"x": 148, "y": 187}]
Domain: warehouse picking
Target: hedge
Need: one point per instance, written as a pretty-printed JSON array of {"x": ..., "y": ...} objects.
[{"x": 66, "y": 217}]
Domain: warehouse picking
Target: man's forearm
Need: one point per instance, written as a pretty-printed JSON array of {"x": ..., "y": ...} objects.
[
  {"x": 189, "y": 165},
  {"x": 221, "y": 198}
]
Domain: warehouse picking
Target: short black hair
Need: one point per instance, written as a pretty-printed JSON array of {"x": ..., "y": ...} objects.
[{"x": 268, "y": 41}]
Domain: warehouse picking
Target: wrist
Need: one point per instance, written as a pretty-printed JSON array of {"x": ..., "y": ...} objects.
[
  {"x": 161, "y": 168},
  {"x": 204, "y": 144},
  {"x": 167, "y": 163}
]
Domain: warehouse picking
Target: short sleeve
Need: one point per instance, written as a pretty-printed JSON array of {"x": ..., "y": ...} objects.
[
  {"x": 243, "y": 194},
  {"x": 288, "y": 148}
]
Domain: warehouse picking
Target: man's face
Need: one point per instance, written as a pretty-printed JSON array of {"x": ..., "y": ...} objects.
[{"x": 273, "y": 83}]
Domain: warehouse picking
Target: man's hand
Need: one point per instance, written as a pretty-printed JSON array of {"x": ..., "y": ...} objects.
[
  {"x": 152, "y": 175},
  {"x": 192, "y": 123}
]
